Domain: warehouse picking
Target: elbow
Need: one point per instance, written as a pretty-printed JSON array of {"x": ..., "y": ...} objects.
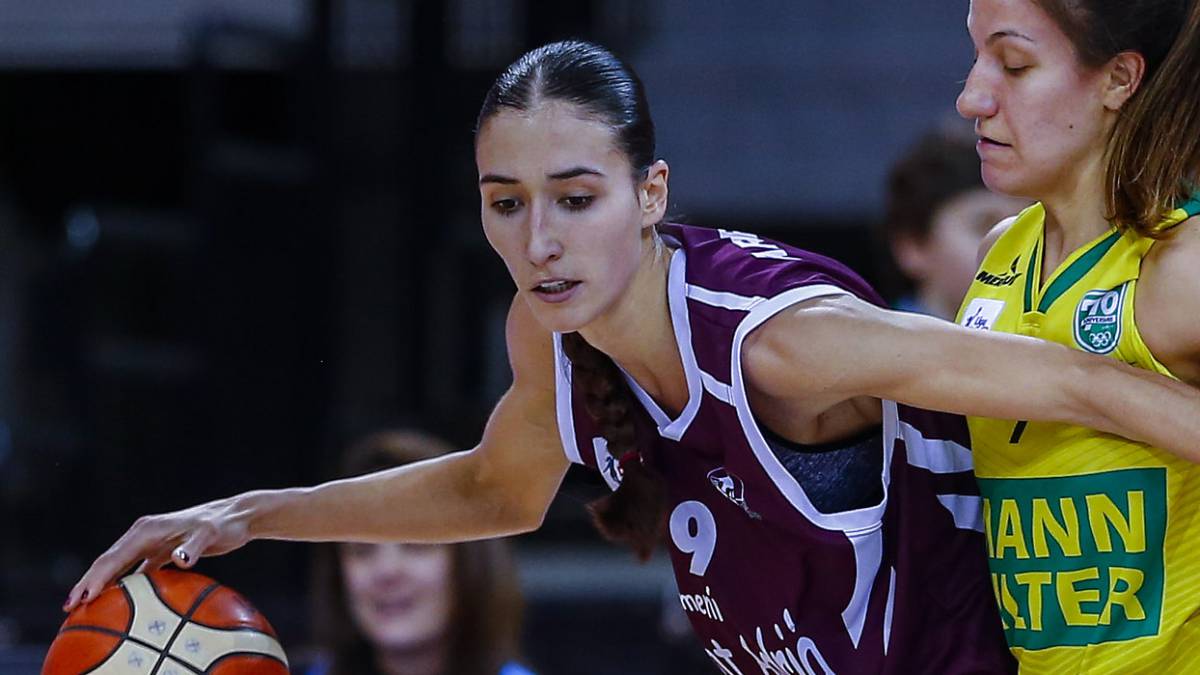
[
  {"x": 509, "y": 508},
  {"x": 532, "y": 519}
]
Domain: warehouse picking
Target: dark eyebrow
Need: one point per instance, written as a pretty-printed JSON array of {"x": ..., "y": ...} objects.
[
  {"x": 493, "y": 178},
  {"x": 1007, "y": 33},
  {"x": 575, "y": 172}
]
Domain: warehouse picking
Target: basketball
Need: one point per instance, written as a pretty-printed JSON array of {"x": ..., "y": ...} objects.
[{"x": 166, "y": 622}]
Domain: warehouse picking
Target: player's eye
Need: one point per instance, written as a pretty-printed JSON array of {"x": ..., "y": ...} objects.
[{"x": 505, "y": 206}]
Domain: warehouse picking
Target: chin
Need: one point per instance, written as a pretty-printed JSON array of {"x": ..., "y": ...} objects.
[
  {"x": 560, "y": 318},
  {"x": 1003, "y": 182}
]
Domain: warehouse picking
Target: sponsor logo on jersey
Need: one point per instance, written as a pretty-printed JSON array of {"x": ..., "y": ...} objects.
[
  {"x": 1097, "y": 324},
  {"x": 981, "y": 313},
  {"x": 1007, "y": 279},
  {"x": 755, "y": 245},
  {"x": 703, "y": 604},
  {"x": 610, "y": 467},
  {"x": 1077, "y": 560},
  {"x": 732, "y": 487},
  {"x": 799, "y": 654}
]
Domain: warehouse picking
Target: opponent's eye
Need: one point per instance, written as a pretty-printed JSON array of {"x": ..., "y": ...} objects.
[{"x": 577, "y": 202}]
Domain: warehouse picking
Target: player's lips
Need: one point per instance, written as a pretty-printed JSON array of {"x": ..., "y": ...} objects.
[
  {"x": 555, "y": 290},
  {"x": 987, "y": 141}
]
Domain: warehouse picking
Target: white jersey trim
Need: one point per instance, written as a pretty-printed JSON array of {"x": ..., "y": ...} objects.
[
  {"x": 967, "y": 510},
  {"x": 723, "y": 299},
  {"x": 933, "y": 454},
  {"x": 888, "y": 611},
  {"x": 562, "y": 402},
  {"x": 674, "y": 429},
  {"x": 868, "y": 556},
  {"x": 717, "y": 388},
  {"x": 855, "y": 521}
]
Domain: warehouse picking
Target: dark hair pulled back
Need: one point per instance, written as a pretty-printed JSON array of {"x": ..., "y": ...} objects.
[{"x": 605, "y": 89}]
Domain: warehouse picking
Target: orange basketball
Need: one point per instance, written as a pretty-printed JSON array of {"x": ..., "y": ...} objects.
[{"x": 166, "y": 622}]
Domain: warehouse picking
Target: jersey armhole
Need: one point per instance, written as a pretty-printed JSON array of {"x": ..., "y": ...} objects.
[
  {"x": 862, "y": 520},
  {"x": 564, "y": 412}
]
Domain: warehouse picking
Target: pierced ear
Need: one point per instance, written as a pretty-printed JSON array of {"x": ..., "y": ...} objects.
[
  {"x": 1125, "y": 73},
  {"x": 653, "y": 193}
]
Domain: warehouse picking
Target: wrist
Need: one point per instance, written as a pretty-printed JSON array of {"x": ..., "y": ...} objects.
[{"x": 258, "y": 512}]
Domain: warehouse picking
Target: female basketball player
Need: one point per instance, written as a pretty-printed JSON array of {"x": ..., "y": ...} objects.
[
  {"x": 1093, "y": 109},
  {"x": 740, "y": 392}
]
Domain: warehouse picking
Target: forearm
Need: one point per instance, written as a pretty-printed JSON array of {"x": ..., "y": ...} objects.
[
  {"x": 439, "y": 500},
  {"x": 1140, "y": 405}
]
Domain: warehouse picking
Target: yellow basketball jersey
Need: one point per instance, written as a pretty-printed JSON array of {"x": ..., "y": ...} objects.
[{"x": 1093, "y": 539}]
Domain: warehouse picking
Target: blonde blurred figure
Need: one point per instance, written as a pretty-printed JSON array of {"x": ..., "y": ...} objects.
[
  {"x": 414, "y": 609},
  {"x": 938, "y": 211}
]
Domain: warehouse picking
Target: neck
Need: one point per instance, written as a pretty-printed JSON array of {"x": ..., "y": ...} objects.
[
  {"x": 1075, "y": 210},
  {"x": 637, "y": 332},
  {"x": 424, "y": 659}
]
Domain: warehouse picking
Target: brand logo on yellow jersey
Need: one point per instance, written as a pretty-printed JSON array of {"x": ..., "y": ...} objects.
[
  {"x": 1097, "y": 324},
  {"x": 1007, "y": 279}
]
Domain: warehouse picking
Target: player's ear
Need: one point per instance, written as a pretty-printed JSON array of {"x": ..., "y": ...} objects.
[{"x": 652, "y": 194}]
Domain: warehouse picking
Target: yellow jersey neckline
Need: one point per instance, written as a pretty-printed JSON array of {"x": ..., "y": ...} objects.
[{"x": 1068, "y": 273}]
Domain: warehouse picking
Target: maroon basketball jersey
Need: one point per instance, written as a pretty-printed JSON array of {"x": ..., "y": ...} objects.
[{"x": 770, "y": 583}]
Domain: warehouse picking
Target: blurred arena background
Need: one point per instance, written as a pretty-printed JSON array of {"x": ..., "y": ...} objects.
[{"x": 236, "y": 234}]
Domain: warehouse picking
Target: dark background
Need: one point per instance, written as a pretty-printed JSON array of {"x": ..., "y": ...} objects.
[{"x": 236, "y": 235}]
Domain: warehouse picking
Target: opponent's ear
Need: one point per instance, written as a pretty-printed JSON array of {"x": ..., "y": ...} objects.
[
  {"x": 653, "y": 192},
  {"x": 1124, "y": 75}
]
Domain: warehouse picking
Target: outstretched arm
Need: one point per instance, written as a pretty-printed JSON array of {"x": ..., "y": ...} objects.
[
  {"x": 841, "y": 347},
  {"x": 503, "y": 486}
]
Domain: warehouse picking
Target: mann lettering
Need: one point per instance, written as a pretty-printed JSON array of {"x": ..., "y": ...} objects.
[
  {"x": 1077, "y": 560},
  {"x": 1049, "y": 532}
]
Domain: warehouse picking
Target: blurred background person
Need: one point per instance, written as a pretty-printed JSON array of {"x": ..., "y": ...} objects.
[
  {"x": 937, "y": 212},
  {"x": 414, "y": 609}
]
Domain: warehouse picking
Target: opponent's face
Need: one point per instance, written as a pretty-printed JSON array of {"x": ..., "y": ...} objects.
[
  {"x": 400, "y": 595},
  {"x": 1041, "y": 115},
  {"x": 561, "y": 206}
]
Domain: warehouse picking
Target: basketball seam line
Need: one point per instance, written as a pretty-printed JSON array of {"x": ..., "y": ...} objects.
[
  {"x": 229, "y": 655},
  {"x": 182, "y": 624},
  {"x": 125, "y": 637}
]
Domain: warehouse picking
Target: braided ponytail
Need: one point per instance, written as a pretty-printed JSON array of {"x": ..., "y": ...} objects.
[{"x": 635, "y": 514}]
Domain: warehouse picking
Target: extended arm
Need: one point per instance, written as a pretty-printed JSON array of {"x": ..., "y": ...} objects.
[
  {"x": 503, "y": 486},
  {"x": 842, "y": 347}
]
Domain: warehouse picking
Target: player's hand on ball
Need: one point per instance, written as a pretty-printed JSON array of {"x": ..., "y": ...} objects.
[{"x": 182, "y": 537}]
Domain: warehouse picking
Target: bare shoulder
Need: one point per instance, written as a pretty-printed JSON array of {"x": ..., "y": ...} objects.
[
  {"x": 801, "y": 349},
  {"x": 1168, "y": 300},
  {"x": 992, "y": 237},
  {"x": 530, "y": 347}
]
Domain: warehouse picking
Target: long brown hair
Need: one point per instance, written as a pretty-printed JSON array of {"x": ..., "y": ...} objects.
[
  {"x": 1154, "y": 152},
  {"x": 635, "y": 514},
  {"x": 485, "y": 618}
]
